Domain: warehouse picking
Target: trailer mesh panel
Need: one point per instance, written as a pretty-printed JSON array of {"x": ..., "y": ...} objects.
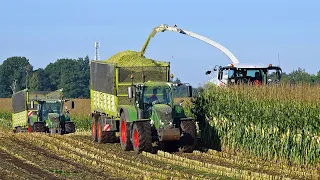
[
  {"x": 102, "y": 77},
  {"x": 19, "y": 102}
]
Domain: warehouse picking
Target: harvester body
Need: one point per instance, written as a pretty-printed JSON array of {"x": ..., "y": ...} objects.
[
  {"x": 138, "y": 103},
  {"x": 41, "y": 111}
]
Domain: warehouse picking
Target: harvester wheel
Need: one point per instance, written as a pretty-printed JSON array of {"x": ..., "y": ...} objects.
[
  {"x": 125, "y": 128},
  {"x": 188, "y": 139},
  {"x": 94, "y": 129},
  {"x": 105, "y": 136},
  {"x": 39, "y": 127},
  {"x": 142, "y": 137},
  {"x": 69, "y": 127}
]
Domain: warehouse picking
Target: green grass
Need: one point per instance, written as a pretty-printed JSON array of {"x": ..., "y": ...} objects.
[
  {"x": 82, "y": 122},
  {"x": 5, "y": 119}
]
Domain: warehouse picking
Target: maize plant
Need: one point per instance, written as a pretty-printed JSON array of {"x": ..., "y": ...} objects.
[{"x": 273, "y": 122}]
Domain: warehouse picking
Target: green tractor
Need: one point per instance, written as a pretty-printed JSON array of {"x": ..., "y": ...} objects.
[
  {"x": 50, "y": 118},
  {"x": 153, "y": 105},
  {"x": 41, "y": 111},
  {"x": 139, "y": 103}
]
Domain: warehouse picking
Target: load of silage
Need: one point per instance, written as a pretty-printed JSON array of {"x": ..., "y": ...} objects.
[{"x": 133, "y": 58}]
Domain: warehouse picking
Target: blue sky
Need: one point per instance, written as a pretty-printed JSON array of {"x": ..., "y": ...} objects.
[{"x": 254, "y": 31}]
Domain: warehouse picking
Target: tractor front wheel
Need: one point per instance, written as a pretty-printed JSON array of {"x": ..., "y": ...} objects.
[
  {"x": 69, "y": 127},
  {"x": 39, "y": 127},
  {"x": 188, "y": 139},
  {"x": 142, "y": 137}
]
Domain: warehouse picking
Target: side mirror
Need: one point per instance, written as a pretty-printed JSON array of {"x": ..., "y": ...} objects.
[
  {"x": 278, "y": 74},
  {"x": 72, "y": 104},
  {"x": 130, "y": 92},
  {"x": 32, "y": 104},
  {"x": 208, "y": 72},
  {"x": 189, "y": 91},
  {"x": 220, "y": 74}
]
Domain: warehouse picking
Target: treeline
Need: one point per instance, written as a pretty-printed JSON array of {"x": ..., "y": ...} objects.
[{"x": 73, "y": 75}]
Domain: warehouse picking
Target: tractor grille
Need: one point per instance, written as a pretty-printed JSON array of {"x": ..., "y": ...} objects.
[{"x": 54, "y": 118}]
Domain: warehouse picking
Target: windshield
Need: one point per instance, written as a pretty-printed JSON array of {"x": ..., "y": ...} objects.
[
  {"x": 246, "y": 75},
  {"x": 161, "y": 94},
  {"x": 52, "y": 107}
]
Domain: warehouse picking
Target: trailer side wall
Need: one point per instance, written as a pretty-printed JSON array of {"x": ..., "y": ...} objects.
[{"x": 109, "y": 84}]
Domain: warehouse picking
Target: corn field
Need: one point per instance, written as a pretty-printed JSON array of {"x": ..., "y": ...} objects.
[{"x": 278, "y": 123}]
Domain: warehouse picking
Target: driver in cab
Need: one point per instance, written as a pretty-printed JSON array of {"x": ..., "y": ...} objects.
[{"x": 154, "y": 97}]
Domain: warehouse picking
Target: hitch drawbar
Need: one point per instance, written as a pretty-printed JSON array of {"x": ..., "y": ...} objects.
[{"x": 169, "y": 134}]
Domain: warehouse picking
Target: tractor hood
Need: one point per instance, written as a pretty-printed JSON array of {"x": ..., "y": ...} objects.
[
  {"x": 162, "y": 115},
  {"x": 53, "y": 117}
]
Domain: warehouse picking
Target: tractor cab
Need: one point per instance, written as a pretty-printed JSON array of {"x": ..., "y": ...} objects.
[
  {"x": 47, "y": 107},
  {"x": 246, "y": 74},
  {"x": 155, "y": 101}
]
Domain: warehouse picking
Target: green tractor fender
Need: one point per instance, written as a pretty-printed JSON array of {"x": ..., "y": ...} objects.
[{"x": 130, "y": 113}]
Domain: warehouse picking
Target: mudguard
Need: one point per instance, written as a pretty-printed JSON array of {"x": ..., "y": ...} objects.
[{"x": 130, "y": 112}]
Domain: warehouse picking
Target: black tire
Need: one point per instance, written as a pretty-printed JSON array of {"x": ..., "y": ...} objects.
[
  {"x": 69, "y": 127},
  {"x": 125, "y": 129},
  {"x": 188, "y": 139},
  {"x": 39, "y": 127},
  {"x": 18, "y": 129},
  {"x": 94, "y": 136},
  {"x": 142, "y": 137},
  {"x": 105, "y": 136}
]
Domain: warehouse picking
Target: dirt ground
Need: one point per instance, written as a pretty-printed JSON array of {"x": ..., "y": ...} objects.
[{"x": 75, "y": 156}]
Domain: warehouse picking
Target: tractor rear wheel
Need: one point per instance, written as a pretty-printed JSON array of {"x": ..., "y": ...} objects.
[
  {"x": 142, "y": 137},
  {"x": 39, "y": 127},
  {"x": 69, "y": 127},
  {"x": 188, "y": 139},
  {"x": 125, "y": 129},
  {"x": 105, "y": 136},
  {"x": 94, "y": 129}
]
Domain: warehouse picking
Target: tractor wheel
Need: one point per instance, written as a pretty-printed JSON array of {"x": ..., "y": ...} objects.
[
  {"x": 39, "y": 127},
  {"x": 94, "y": 129},
  {"x": 142, "y": 137},
  {"x": 105, "y": 136},
  {"x": 125, "y": 128},
  {"x": 188, "y": 139},
  {"x": 69, "y": 127}
]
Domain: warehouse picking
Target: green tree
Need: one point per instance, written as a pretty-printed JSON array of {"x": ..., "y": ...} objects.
[
  {"x": 39, "y": 81},
  {"x": 13, "y": 73},
  {"x": 71, "y": 75}
]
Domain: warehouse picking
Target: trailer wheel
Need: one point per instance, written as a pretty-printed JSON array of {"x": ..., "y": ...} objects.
[
  {"x": 105, "y": 136},
  {"x": 69, "y": 127},
  {"x": 18, "y": 129},
  {"x": 125, "y": 142},
  {"x": 39, "y": 127},
  {"x": 188, "y": 139},
  {"x": 142, "y": 137},
  {"x": 94, "y": 130}
]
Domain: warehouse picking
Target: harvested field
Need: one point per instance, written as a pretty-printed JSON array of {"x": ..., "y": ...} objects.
[{"x": 74, "y": 156}]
